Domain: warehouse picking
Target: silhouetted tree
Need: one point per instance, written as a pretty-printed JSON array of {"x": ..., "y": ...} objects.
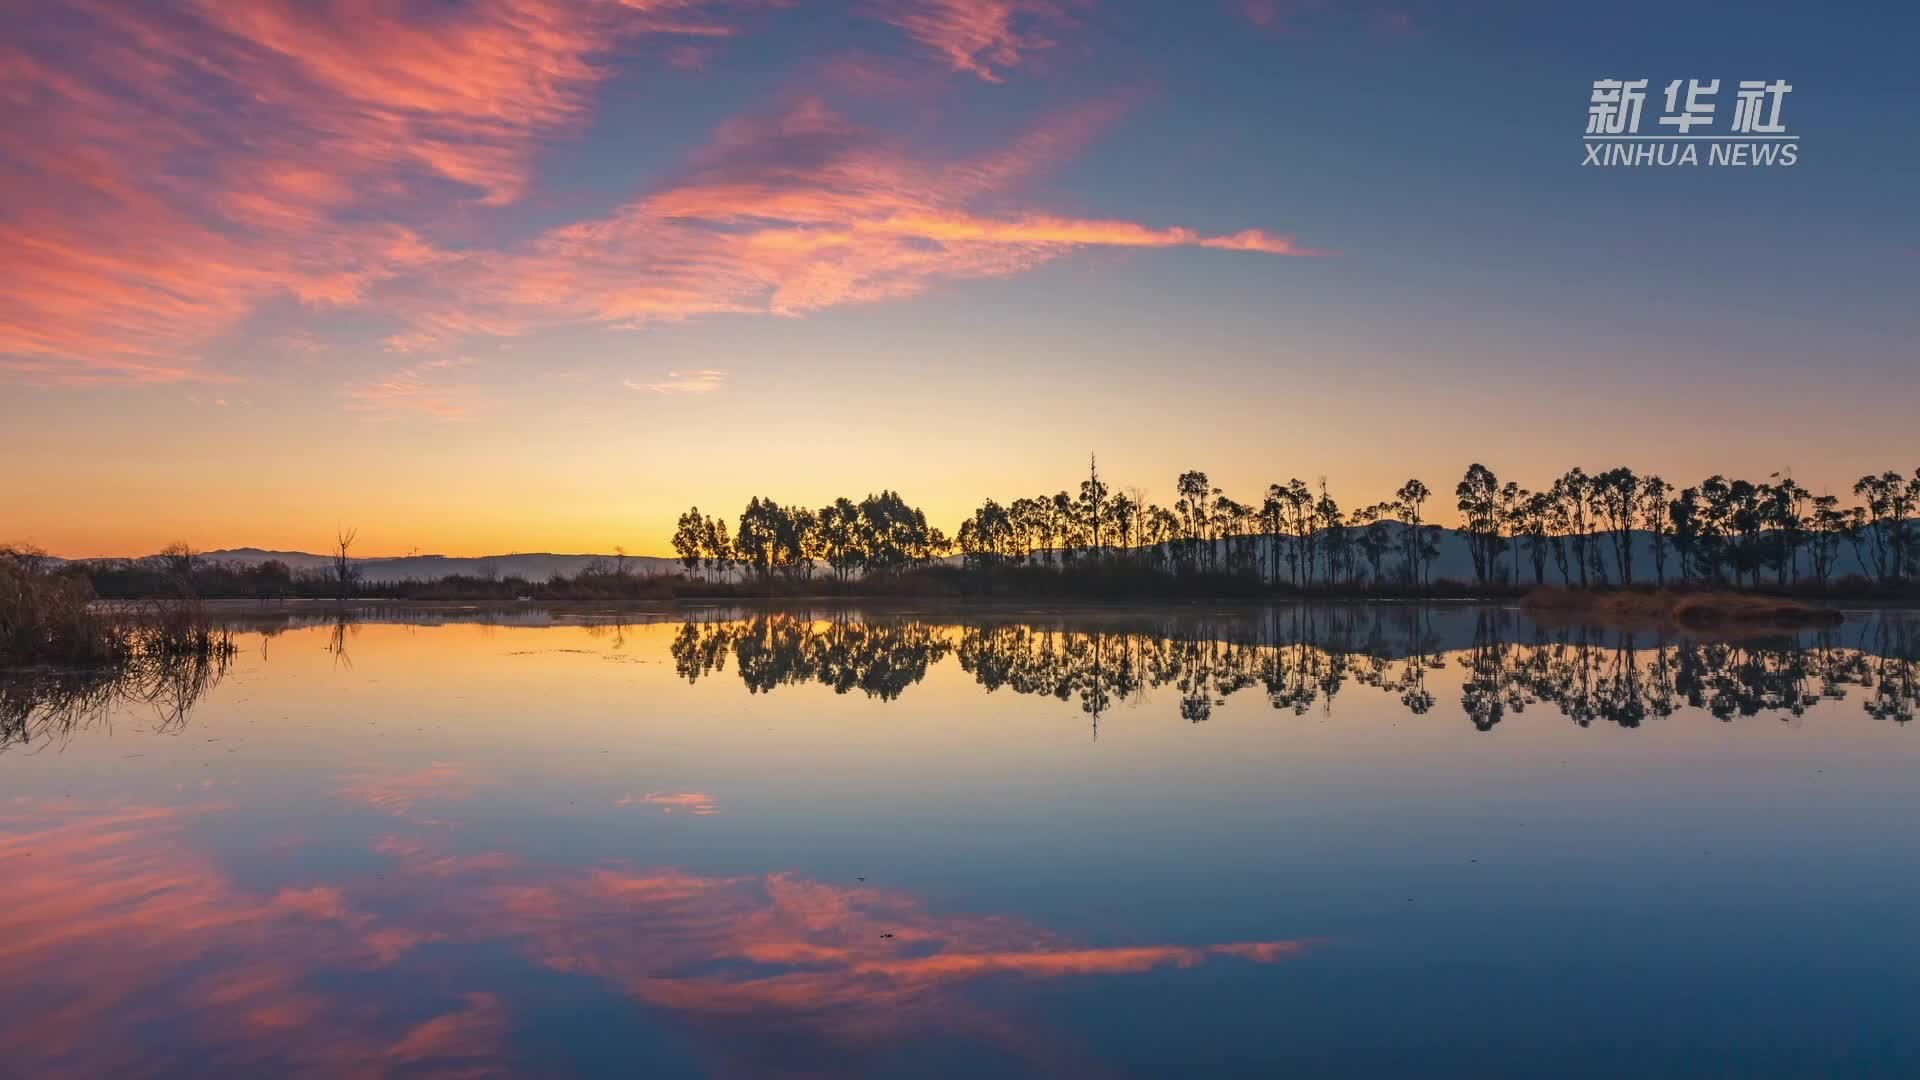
[
  {"x": 1574, "y": 492},
  {"x": 1532, "y": 514},
  {"x": 1092, "y": 504},
  {"x": 716, "y": 547},
  {"x": 345, "y": 574},
  {"x": 1616, "y": 494},
  {"x": 1652, "y": 502},
  {"x": 689, "y": 535},
  {"x": 1479, "y": 505},
  {"x": 1195, "y": 508},
  {"x": 1411, "y": 496},
  {"x": 1890, "y": 502},
  {"x": 1784, "y": 512},
  {"x": 1829, "y": 526},
  {"x": 178, "y": 562}
]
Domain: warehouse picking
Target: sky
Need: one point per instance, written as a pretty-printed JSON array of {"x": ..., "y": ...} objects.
[{"x": 479, "y": 276}]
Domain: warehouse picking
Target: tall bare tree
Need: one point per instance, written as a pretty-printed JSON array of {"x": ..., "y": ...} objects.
[{"x": 345, "y": 573}]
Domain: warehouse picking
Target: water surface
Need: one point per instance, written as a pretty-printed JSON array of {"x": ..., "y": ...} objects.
[{"x": 1349, "y": 841}]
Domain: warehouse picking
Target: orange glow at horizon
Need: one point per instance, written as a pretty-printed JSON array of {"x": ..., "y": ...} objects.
[{"x": 456, "y": 490}]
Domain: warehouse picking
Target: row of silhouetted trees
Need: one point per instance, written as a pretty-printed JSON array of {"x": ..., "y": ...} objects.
[
  {"x": 879, "y": 534},
  {"x": 1614, "y": 527},
  {"x": 1592, "y": 528}
]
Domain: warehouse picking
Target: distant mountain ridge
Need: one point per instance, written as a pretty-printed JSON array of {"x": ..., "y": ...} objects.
[{"x": 532, "y": 566}]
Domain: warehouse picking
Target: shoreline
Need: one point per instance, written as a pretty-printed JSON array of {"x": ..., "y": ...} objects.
[{"x": 1592, "y": 607}]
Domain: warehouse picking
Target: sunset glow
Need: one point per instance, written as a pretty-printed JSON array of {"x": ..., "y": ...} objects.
[
  {"x": 936, "y": 538},
  {"x": 504, "y": 275}
]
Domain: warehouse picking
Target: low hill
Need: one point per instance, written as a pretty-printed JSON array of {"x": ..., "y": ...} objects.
[{"x": 533, "y": 566}]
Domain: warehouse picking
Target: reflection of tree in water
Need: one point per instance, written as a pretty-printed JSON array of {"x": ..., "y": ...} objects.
[
  {"x": 337, "y": 641},
  {"x": 1302, "y": 657},
  {"x": 41, "y": 706},
  {"x": 1592, "y": 674},
  {"x": 1891, "y": 670},
  {"x": 880, "y": 659}
]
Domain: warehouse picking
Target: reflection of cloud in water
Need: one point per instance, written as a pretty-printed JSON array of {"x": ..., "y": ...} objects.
[
  {"x": 845, "y": 967},
  {"x": 111, "y": 926},
  {"x": 693, "y": 802},
  {"x": 113, "y": 929},
  {"x": 399, "y": 792}
]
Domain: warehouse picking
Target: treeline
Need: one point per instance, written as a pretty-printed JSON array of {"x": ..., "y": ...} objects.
[
  {"x": 880, "y": 534},
  {"x": 1719, "y": 532},
  {"x": 1608, "y": 529},
  {"x": 1612, "y": 528}
]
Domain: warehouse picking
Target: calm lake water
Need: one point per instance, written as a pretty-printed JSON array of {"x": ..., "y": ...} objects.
[{"x": 1364, "y": 841}]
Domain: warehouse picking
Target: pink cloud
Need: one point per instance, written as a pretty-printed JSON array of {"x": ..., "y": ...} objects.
[
  {"x": 800, "y": 212},
  {"x": 204, "y": 163},
  {"x": 168, "y": 169},
  {"x": 483, "y": 1022},
  {"x": 892, "y": 79},
  {"x": 975, "y": 36}
]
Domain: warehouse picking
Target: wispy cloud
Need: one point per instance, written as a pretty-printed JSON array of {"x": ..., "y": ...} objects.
[
  {"x": 975, "y": 36},
  {"x": 411, "y": 390},
  {"x": 188, "y": 167},
  {"x": 409, "y": 341},
  {"x": 705, "y": 381},
  {"x": 800, "y": 212},
  {"x": 186, "y": 163}
]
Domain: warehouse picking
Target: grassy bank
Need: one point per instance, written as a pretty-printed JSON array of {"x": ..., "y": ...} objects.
[
  {"x": 49, "y": 617},
  {"x": 1681, "y": 607},
  {"x": 1092, "y": 581}
]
